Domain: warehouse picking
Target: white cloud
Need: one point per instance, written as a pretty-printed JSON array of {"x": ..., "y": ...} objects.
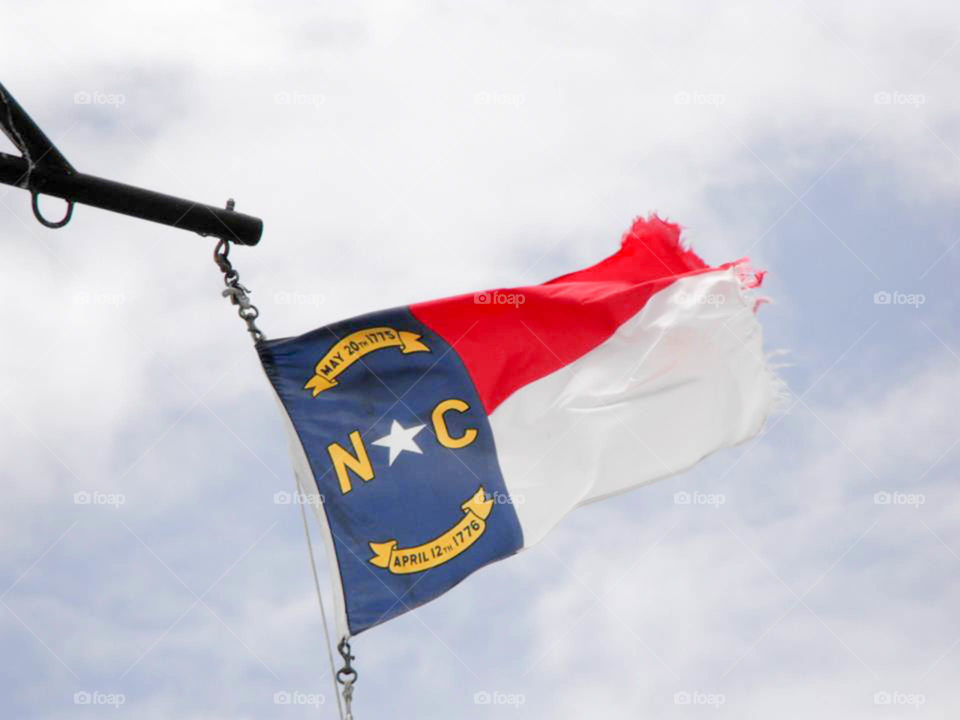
[{"x": 427, "y": 150}]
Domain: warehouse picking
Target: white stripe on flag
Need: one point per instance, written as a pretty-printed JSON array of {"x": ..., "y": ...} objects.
[{"x": 682, "y": 378}]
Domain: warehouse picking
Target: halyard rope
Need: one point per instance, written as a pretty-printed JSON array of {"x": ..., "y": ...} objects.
[{"x": 301, "y": 501}]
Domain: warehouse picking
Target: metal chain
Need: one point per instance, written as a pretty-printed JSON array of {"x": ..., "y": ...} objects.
[
  {"x": 346, "y": 676},
  {"x": 238, "y": 294}
]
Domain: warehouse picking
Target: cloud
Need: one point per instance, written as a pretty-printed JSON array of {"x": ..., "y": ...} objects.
[{"x": 398, "y": 153}]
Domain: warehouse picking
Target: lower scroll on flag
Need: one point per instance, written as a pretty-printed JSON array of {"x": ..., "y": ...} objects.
[{"x": 446, "y": 435}]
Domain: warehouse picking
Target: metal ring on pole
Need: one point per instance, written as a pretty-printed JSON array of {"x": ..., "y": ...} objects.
[{"x": 35, "y": 204}]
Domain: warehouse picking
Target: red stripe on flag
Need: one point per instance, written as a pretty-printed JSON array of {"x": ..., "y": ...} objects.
[{"x": 519, "y": 335}]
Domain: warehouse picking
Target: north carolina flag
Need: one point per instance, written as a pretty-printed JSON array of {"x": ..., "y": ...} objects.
[{"x": 445, "y": 435}]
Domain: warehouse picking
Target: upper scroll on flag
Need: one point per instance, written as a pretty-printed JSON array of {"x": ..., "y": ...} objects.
[{"x": 445, "y": 435}]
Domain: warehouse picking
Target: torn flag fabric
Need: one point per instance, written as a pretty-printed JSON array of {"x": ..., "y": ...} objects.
[{"x": 445, "y": 435}]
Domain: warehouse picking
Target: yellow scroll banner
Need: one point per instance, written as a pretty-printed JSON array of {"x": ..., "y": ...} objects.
[
  {"x": 346, "y": 351},
  {"x": 403, "y": 561}
]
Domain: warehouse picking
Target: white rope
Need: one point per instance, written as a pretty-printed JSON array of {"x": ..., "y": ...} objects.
[{"x": 301, "y": 501}]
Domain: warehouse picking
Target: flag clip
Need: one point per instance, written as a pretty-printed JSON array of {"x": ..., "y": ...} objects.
[
  {"x": 346, "y": 676},
  {"x": 239, "y": 295}
]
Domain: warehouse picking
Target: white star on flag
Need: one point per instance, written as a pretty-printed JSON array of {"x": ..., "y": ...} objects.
[{"x": 400, "y": 439}]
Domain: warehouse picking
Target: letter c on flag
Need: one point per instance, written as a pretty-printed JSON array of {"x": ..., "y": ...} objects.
[{"x": 440, "y": 424}]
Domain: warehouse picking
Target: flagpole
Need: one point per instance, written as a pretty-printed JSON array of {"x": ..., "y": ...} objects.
[{"x": 43, "y": 170}]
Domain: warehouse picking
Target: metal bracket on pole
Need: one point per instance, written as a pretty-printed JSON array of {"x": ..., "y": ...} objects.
[{"x": 43, "y": 170}]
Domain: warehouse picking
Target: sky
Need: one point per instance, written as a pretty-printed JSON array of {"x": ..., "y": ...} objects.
[{"x": 404, "y": 151}]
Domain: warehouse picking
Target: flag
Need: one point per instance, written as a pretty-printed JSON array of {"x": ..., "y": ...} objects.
[{"x": 445, "y": 435}]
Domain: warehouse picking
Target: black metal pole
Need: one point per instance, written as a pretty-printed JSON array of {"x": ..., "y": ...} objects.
[
  {"x": 44, "y": 170},
  {"x": 28, "y": 137},
  {"x": 130, "y": 200}
]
